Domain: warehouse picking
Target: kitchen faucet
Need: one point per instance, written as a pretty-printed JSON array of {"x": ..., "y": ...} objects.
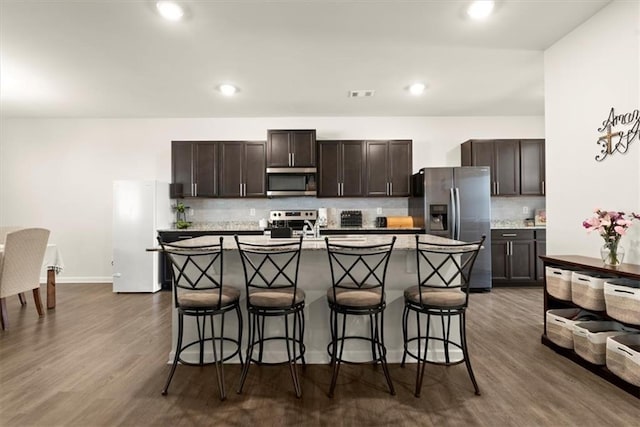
[{"x": 309, "y": 227}]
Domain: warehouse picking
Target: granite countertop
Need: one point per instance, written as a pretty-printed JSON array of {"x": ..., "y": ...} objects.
[
  {"x": 253, "y": 226},
  {"x": 514, "y": 224},
  {"x": 406, "y": 241}
]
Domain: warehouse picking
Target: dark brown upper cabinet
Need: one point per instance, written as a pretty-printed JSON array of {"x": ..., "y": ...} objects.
[
  {"x": 389, "y": 167},
  {"x": 502, "y": 156},
  {"x": 242, "y": 169},
  {"x": 341, "y": 168},
  {"x": 532, "y": 167},
  {"x": 291, "y": 148},
  {"x": 194, "y": 165}
]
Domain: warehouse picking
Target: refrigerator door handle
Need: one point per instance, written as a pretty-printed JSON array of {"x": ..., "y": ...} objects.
[
  {"x": 458, "y": 225},
  {"x": 454, "y": 211}
]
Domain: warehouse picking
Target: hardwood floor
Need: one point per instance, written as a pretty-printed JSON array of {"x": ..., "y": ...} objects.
[{"x": 99, "y": 359}]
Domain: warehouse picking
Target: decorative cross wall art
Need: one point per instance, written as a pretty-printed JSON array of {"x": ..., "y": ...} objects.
[{"x": 618, "y": 141}]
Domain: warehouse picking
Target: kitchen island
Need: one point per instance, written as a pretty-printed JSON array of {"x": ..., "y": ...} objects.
[{"x": 314, "y": 278}]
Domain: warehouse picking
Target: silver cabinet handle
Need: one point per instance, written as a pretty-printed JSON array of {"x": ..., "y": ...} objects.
[
  {"x": 293, "y": 159},
  {"x": 497, "y": 187},
  {"x": 509, "y": 234},
  {"x": 543, "y": 187},
  {"x": 506, "y": 249},
  {"x": 342, "y": 188},
  {"x": 244, "y": 189},
  {"x": 195, "y": 189},
  {"x": 338, "y": 189},
  {"x": 240, "y": 189},
  {"x": 391, "y": 188}
]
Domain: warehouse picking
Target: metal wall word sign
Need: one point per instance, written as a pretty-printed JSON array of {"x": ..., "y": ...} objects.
[{"x": 619, "y": 141}]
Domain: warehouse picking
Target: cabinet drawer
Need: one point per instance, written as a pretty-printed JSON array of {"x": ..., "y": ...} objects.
[
  {"x": 512, "y": 234},
  {"x": 541, "y": 234}
]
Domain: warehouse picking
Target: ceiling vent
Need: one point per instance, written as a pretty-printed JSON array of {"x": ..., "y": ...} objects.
[{"x": 361, "y": 93}]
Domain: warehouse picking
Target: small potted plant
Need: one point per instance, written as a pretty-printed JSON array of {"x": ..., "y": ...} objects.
[{"x": 181, "y": 216}]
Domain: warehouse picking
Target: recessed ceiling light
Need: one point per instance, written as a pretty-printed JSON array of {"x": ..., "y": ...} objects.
[
  {"x": 480, "y": 9},
  {"x": 417, "y": 88},
  {"x": 227, "y": 89},
  {"x": 171, "y": 11}
]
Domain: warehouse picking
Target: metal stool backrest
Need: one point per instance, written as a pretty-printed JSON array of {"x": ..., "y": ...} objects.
[
  {"x": 359, "y": 267},
  {"x": 271, "y": 266},
  {"x": 195, "y": 268},
  {"x": 446, "y": 266}
]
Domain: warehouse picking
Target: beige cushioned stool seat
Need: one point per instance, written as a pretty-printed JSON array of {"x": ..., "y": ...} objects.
[
  {"x": 356, "y": 297},
  {"x": 436, "y": 297},
  {"x": 209, "y": 298},
  {"x": 275, "y": 298}
]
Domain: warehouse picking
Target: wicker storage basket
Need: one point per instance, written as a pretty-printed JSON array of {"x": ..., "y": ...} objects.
[
  {"x": 560, "y": 324},
  {"x": 623, "y": 357},
  {"x": 622, "y": 300},
  {"x": 559, "y": 282},
  {"x": 587, "y": 290},
  {"x": 590, "y": 339}
]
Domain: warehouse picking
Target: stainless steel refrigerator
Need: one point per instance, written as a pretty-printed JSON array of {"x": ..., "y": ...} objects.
[{"x": 455, "y": 203}]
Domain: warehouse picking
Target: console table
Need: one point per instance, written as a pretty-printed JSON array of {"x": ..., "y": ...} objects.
[{"x": 631, "y": 271}]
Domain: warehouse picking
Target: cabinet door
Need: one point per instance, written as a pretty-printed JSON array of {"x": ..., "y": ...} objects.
[
  {"x": 278, "y": 148},
  {"x": 254, "y": 169},
  {"x": 499, "y": 261},
  {"x": 507, "y": 167},
  {"x": 532, "y": 167},
  {"x": 482, "y": 155},
  {"x": 302, "y": 144},
  {"x": 182, "y": 166},
  {"x": 329, "y": 169},
  {"x": 231, "y": 168},
  {"x": 400, "y": 168},
  {"x": 352, "y": 163},
  {"x": 377, "y": 183},
  {"x": 541, "y": 250},
  {"x": 205, "y": 169},
  {"x": 522, "y": 260}
]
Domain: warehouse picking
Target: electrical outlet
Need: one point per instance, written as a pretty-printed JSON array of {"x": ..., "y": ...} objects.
[
  {"x": 525, "y": 210},
  {"x": 379, "y": 211},
  {"x": 252, "y": 212}
]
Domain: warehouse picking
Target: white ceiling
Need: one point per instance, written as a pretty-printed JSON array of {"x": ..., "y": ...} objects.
[{"x": 115, "y": 58}]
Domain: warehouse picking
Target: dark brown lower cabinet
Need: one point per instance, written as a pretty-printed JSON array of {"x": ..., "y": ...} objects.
[{"x": 514, "y": 255}]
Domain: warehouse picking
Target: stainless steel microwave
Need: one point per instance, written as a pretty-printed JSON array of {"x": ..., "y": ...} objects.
[{"x": 291, "y": 181}]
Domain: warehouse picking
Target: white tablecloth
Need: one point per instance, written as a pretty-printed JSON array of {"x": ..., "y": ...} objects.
[{"x": 52, "y": 258}]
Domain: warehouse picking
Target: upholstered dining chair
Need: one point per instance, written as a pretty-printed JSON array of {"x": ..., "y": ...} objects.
[
  {"x": 440, "y": 299},
  {"x": 20, "y": 265}
]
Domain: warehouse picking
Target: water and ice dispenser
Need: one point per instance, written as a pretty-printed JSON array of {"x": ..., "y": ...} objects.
[{"x": 438, "y": 217}]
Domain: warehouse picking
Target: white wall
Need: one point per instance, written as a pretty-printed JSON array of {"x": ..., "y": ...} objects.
[
  {"x": 58, "y": 173},
  {"x": 592, "y": 69}
]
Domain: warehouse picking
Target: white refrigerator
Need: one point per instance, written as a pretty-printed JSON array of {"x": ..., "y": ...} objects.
[{"x": 140, "y": 208}]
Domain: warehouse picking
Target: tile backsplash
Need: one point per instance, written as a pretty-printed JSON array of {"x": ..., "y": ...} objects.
[
  {"x": 252, "y": 210},
  {"x": 249, "y": 210},
  {"x": 513, "y": 208}
]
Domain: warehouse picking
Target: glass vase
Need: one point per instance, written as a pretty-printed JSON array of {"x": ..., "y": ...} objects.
[{"x": 612, "y": 254}]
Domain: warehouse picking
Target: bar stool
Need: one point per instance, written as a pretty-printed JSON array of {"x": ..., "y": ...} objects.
[
  {"x": 358, "y": 278},
  {"x": 271, "y": 278},
  {"x": 444, "y": 272},
  {"x": 198, "y": 292}
]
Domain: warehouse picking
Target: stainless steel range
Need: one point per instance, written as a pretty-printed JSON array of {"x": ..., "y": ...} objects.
[{"x": 294, "y": 220}]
